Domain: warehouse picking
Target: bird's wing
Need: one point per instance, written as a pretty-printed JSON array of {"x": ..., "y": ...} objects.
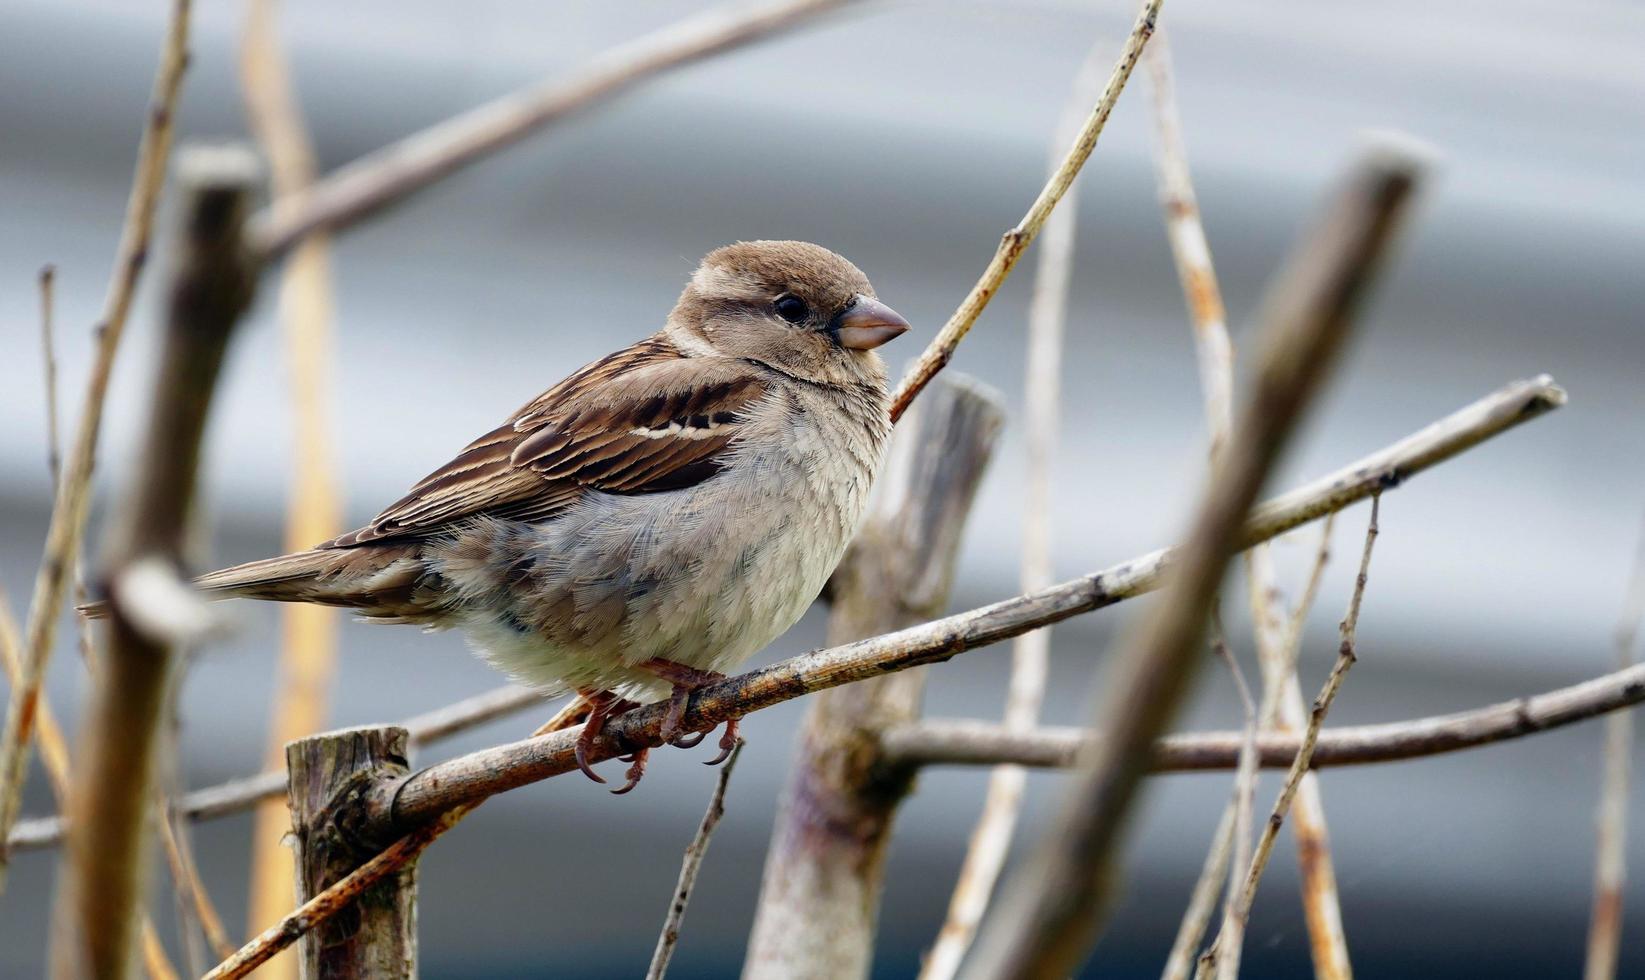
[{"x": 643, "y": 420}]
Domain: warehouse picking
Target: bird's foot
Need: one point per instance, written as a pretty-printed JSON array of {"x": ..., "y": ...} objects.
[
  {"x": 686, "y": 679},
  {"x": 603, "y": 706}
]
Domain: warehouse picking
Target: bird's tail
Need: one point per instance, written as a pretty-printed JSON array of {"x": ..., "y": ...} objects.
[{"x": 378, "y": 579}]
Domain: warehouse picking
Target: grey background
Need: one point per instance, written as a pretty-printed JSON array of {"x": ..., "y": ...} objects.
[{"x": 908, "y": 137}]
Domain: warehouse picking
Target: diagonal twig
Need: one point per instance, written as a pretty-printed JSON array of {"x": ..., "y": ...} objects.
[
  {"x": 70, "y": 506},
  {"x": 397, "y": 171},
  {"x": 1224, "y": 954},
  {"x": 694, "y": 854},
  {"x": 1030, "y": 654},
  {"x": 1054, "y": 906},
  {"x": 1016, "y": 241}
]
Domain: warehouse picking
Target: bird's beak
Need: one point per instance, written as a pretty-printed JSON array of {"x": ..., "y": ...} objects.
[{"x": 867, "y": 324}]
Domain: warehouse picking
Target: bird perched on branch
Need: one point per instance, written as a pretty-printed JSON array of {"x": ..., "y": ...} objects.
[{"x": 656, "y": 518}]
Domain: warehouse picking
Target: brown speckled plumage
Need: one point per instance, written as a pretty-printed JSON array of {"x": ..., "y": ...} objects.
[{"x": 683, "y": 499}]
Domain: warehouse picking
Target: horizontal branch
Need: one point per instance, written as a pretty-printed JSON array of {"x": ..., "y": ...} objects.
[
  {"x": 970, "y": 743},
  {"x": 400, "y": 169},
  {"x": 1495, "y": 413},
  {"x": 407, "y": 803}
]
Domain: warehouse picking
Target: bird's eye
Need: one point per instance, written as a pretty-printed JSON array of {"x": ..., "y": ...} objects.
[{"x": 792, "y": 308}]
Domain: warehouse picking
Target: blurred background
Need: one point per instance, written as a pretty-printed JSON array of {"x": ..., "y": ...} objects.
[{"x": 908, "y": 136}]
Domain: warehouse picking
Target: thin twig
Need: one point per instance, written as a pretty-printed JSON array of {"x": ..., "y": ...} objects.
[
  {"x": 395, "y": 172},
  {"x": 308, "y": 642},
  {"x": 1016, "y": 241},
  {"x": 1055, "y": 905},
  {"x": 68, "y": 515},
  {"x": 334, "y": 899},
  {"x": 1030, "y": 655},
  {"x": 1225, "y": 951},
  {"x": 48, "y": 352},
  {"x": 940, "y": 742},
  {"x": 1611, "y": 852},
  {"x": 1390, "y": 467},
  {"x": 1276, "y": 645},
  {"x": 1245, "y": 778},
  {"x": 185, "y": 877},
  {"x": 694, "y": 853}
]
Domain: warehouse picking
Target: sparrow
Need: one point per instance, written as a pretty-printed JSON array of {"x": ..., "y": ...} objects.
[{"x": 649, "y": 523}]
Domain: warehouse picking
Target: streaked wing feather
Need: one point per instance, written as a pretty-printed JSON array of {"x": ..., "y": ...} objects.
[{"x": 644, "y": 420}]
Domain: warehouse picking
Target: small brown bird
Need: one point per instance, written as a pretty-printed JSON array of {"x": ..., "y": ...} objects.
[{"x": 654, "y": 519}]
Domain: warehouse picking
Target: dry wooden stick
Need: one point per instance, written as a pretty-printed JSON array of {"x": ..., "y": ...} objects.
[
  {"x": 1054, "y": 906},
  {"x": 824, "y": 869},
  {"x": 1611, "y": 852},
  {"x": 1016, "y": 241},
  {"x": 397, "y": 171},
  {"x": 68, "y": 515},
  {"x": 113, "y": 793},
  {"x": 334, "y": 899},
  {"x": 308, "y": 643},
  {"x": 693, "y": 862},
  {"x": 1390, "y": 467},
  {"x": 48, "y": 352},
  {"x": 942, "y": 742},
  {"x": 1224, "y": 954},
  {"x": 968, "y": 742},
  {"x": 1245, "y": 781},
  {"x": 1276, "y": 645},
  {"x": 1030, "y": 654},
  {"x": 185, "y": 877}
]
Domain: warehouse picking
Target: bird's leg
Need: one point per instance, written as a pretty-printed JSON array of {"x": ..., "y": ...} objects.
[
  {"x": 686, "y": 679},
  {"x": 573, "y": 714},
  {"x": 603, "y": 705}
]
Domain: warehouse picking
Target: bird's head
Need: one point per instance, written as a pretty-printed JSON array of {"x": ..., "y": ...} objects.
[{"x": 793, "y": 306}]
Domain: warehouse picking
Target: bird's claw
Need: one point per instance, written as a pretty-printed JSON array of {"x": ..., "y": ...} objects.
[
  {"x": 728, "y": 742},
  {"x": 635, "y": 771}
]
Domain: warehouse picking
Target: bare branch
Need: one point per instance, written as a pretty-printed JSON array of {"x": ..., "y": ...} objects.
[
  {"x": 974, "y": 743},
  {"x": 1226, "y": 950},
  {"x": 1016, "y": 241},
  {"x": 1030, "y": 654},
  {"x": 1275, "y": 645},
  {"x": 1245, "y": 780},
  {"x": 1611, "y": 851},
  {"x": 335, "y": 898},
  {"x": 185, "y": 877},
  {"x": 1491, "y": 415},
  {"x": 114, "y": 790},
  {"x": 694, "y": 853},
  {"x": 397, "y": 171},
  {"x": 68, "y": 515},
  {"x": 48, "y": 354},
  {"x": 824, "y": 869},
  {"x": 1054, "y": 906}
]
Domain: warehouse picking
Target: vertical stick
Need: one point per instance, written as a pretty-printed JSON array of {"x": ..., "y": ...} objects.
[
  {"x": 113, "y": 793},
  {"x": 377, "y": 935},
  {"x": 1611, "y": 852},
  {"x": 821, "y": 892},
  {"x": 72, "y": 500},
  {"x": 308, "y": 646},
  {"x": 1031, "y": 653},
  {"x": 1282, "y": 696}
]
